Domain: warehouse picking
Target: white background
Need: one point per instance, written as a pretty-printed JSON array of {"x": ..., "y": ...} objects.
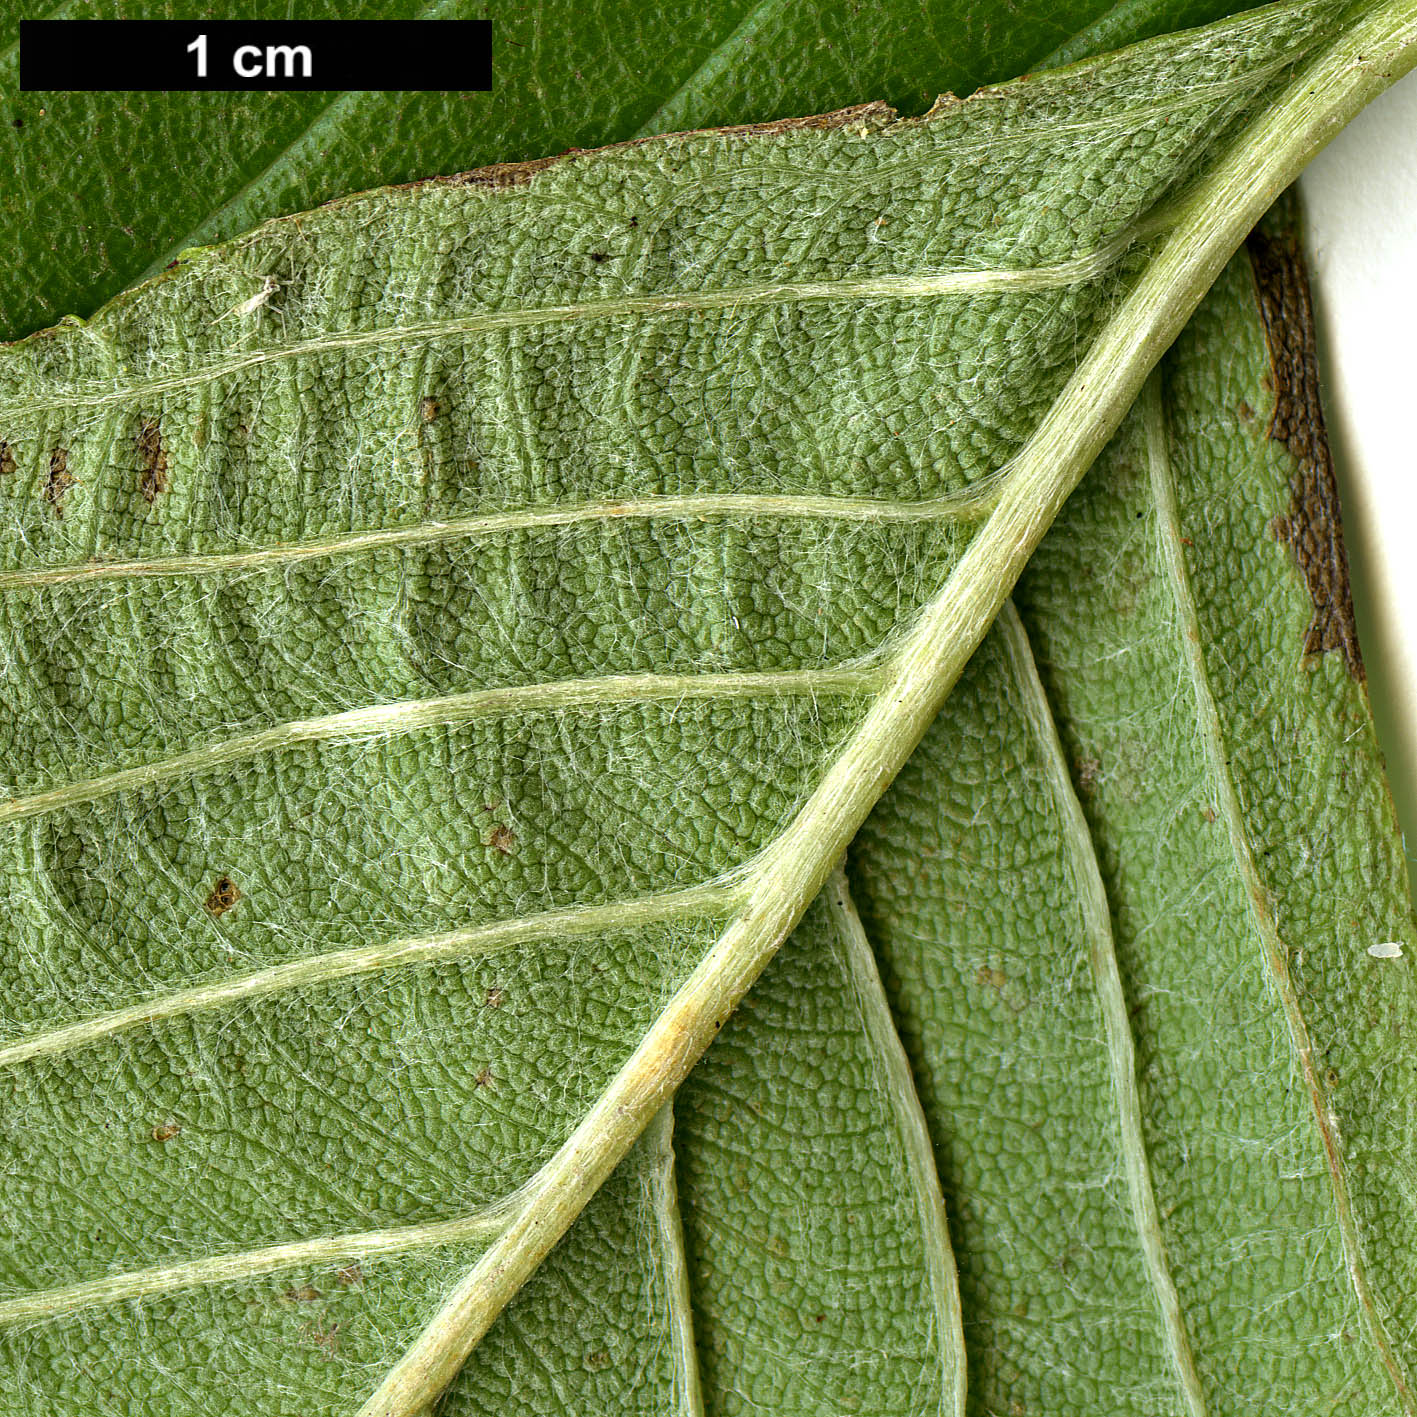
[{"x": 1360, "y": 197}]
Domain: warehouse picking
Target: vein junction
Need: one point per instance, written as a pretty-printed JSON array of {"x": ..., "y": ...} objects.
[
  {"x": 972, "y": 504},
  {"x": 409, "y": 715},
  {"x": 713, "y": 900}
]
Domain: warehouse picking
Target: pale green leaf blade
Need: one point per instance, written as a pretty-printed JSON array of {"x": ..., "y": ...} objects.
[
  {"x": 1217, "y": 739},
  {"x": 211, "y": 442},
  {"x": 819, "y": 1263},
  {"x": 1309, "y": 872},
  {"x": 978, "y": 884}
]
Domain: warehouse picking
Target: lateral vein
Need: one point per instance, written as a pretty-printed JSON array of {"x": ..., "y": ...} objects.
[
  {"x": 409, "y": 715},
  {"x": 1272, "y": 947},
  {"x": 1116, "y": 1017},
  {"x": 1260, "y": 161},
  {"x": 929, "y": 285},
  {"x": 712, "y": 900},
  {"x": 904, "y": 1101},
  {"x": 663, "y": 1197},
  {"x": 248, "y": 1264},
  {"x": 974, "y": 503}
]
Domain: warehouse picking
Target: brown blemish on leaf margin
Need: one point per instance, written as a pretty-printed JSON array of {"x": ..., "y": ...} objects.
[
  {"x": 1313, "y": 525},
  {"x": 516, "y": 174}
]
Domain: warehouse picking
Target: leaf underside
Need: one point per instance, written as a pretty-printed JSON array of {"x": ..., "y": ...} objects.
[
  {"x": 1238, "y": 819},
  {"x": 979, "y": 875},
  {"x": 1122, "y": 1127},
  {"x": 422, "y": 617}
]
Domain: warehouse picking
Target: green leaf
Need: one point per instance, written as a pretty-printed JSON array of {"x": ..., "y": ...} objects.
[
  {"x": 205, "y": 576},
  {"x": 109, "y": 188},
  {"x": 1164, "y": 1067}
]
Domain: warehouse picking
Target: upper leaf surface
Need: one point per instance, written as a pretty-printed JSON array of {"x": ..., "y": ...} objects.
[{"x": 119, "y": 183}]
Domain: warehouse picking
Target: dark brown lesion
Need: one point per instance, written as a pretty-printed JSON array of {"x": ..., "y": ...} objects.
[
  {"x": 152, "y": 457},
  {"x": 7, "y": 459},
  {"x": 1313, "y": 525},
  {"x": 58, "y": 480},
  {"x": 224, "y": 895}
]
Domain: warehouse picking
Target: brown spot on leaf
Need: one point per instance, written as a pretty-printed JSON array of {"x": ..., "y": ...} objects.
[
  {"x": 153, "y": 457},
  {"x": 224, "y": 894},
  {"x": 597, "y": 1361},
  {"x": 351, "y": 1276},
  {"x": 502, "y": 839},
  {"x": 484, "y": 1078},
  {"x": 7, "y": 460},
  {"x": 1244, "y": 412},
  {"x": 494, "y": 997},
  {"x": 301, "y": 1294},
  {"x": 165, "y": 1131},
  {"x": 326, "y": 1338},
  {"x": 428, "y": 408},
  {"x": 1313, "y": 525},
  {"x": 1086, "y": 773},
  {"x": 58, "y": 480}
]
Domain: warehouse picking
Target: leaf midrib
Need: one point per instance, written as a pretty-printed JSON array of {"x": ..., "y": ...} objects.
[
  {"x": 756, "y": 876},
  {"x": 1261, "y": 161}
]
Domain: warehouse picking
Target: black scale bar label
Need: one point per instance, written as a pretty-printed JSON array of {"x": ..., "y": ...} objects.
[{"x": 237, "y": 56}]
